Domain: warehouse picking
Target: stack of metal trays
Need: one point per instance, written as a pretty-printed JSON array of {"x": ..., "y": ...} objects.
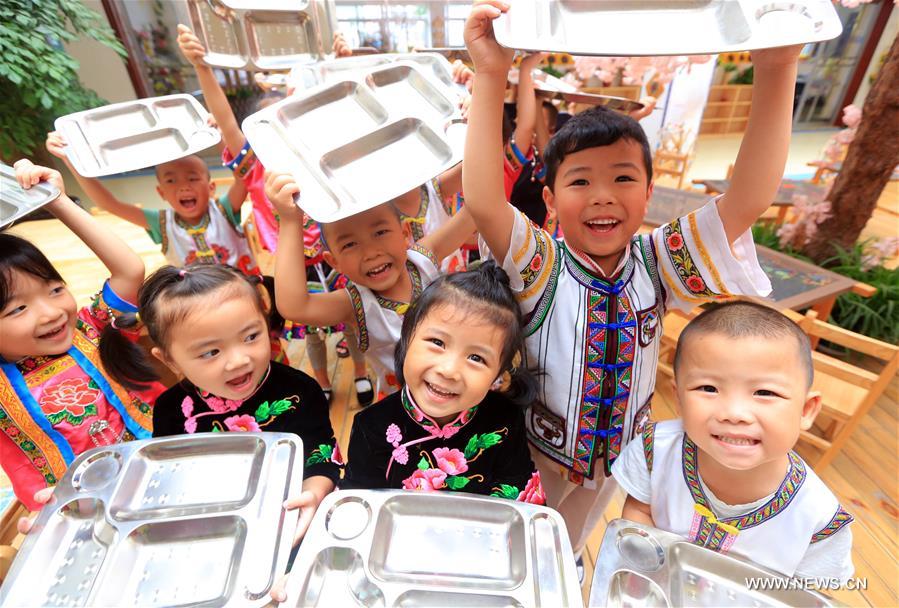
[
  {"x": 642, "y": 567},
  {"x": 400, "y": 548},
  {"x": 16, "y": 202},
  {"x": 663, "y": 27},
  {"x": 136, "y": 134},
  {"x": 363, "y": 140},
  {"x": 263, "y": 34},
  {"x": 193, "y": 520},
  {"x": 307, "y": 76}
]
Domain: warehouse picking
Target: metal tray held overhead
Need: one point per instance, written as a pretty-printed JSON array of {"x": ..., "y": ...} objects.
[
  {"x": 664, "y": 27},
  {"x": 192, "y": 520},
  {"x": 263, "y": 34},
  {"x": 136, "y": 134},
  {"x": 16, "y": 202},
  {"x": 642, "y": 567},
  {"x": 363, "y": 140},
  {"x": 378, "y": 548}
]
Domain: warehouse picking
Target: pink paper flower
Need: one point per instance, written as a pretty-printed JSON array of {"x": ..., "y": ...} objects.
[
  {"x": 401, "y": 455},
  {"x": 187, "y": 407},
  {"x": 394, "y": 435},
  {"x": 245, "y": 423},
  {"x": 852, "y": 115},
  {"x": 428, "y": 480},
  {"x": 533, "y": 491},
  {"x": 450, "y": 461}
]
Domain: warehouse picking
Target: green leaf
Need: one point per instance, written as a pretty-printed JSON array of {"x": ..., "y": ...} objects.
[
  {"x": 506, "y": 491},
  {"x": 326, "y": 450},
  {"x": 280, "y": 406},
  {"x": 471, "y": 448},
  {"x": 216, "y": 429},
  {"x": 263, "y": 412},
  {"x": 489, "y": 439},
  {"x": 423, "y": 464},
  {"x": 455, "y": 482},
  {"x": 314, "y": 458}
]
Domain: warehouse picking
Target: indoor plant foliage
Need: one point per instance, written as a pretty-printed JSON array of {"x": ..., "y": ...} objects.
[{"x": 38, "y": 79}]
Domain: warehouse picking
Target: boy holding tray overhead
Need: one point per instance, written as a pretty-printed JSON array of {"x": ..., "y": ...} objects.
[{"x": 595, "y": 302}]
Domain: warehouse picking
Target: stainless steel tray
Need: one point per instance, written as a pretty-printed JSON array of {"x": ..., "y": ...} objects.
[
  {"x": 264, "y": 34},
  {"x": 136, "y": 134},
  {"x": 663, "y": 27},
  {"x": 640, "y": 566},
  {"x": 361, "y": 141},
  {"x": 191, "y": 520},
  {"x": 398, "y": 548},
  {"x": 307, "y": 76},
  {"x": 16, "y": 202},
  {"x": 620, "y": 104}
]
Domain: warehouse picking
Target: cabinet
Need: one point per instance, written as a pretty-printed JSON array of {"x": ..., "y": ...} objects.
[{"x": 727, "y": 109}]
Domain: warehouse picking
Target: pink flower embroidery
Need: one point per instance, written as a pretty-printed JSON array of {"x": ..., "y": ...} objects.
[
  {"x": 428, "y": 480},
  {"x": 449, "y": 431},
  {"x": 72, "y": 395},
  {"x": 190, "y": 425},
  {"x": 216, "y": 404},
  {"x": 537, "y": 262},
  {"x": 450, "y": 461},
  {"x": 394, "y": 435},
  {"x": 695, "y": 284},
  {"x": 245, "y": 423},
  {"x": 533, "y": 491},
  {"x": 675, "y": 242},
  {"x": 39, "y": 462},
  {"x": 401, "y": 455},
  {"x": 187, "y": 407}
]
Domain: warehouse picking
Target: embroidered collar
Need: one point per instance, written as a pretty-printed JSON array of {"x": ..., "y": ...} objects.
[
  {"x": 428, "y": 423},
  {"x": 589, "y": 274},
  {"x": 788, "y": 489},
  {"x": 33, "y": 362},
  {"x": 400, "y": 308},
  {"x": 196, "y": 228},
  {"x": 220, "y": 405}
]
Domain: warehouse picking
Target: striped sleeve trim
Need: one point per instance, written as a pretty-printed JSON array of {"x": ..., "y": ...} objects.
[{"x": 840, "y": 519}]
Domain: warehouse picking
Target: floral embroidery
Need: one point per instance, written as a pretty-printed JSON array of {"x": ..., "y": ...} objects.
[
  {"x": 683, "y": 263},
  {"x": 675, "y": 241},
  {"x": 394, "y": 436},
  {"x": 425, "y": 480},
  {"x": 187, "y": 406},
  {"x": 325, "y": 453},
  {"x": 450, "y": 461},
  {"x": 533, "y": 491},
  {"x": 71, "y": 400},
  {"x": 447, "y": 465},
  {"x": 245, "y": 423}
]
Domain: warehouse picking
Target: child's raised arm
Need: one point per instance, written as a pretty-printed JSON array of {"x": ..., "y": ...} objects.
[
  {"x": 759, "y": 167},
  {"x": 294, "y": 300},
  {"x": 526, "y": 107},
  {"x": 97, "y": 192},
  {"x": 482, "y": 175},
  {"x": 126, "y": 269},
  {"x": 451, "y": 235}
]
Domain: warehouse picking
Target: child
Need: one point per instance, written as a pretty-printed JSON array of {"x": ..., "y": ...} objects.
[
  {"x": 724, "y": 476},
  {"x": 447, "y": 428},
  {"x": 241, "y": 159},
  {"x": 56, "y": 396},
  {"x": 372, "y": 249},
  {"x": 196, "y": 227},
  {"x": 209, "y": 324},
  {"x": 594, "y": 302}
]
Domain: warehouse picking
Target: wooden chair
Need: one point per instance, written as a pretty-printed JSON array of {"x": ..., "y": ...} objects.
[
  {"x": 264, "y": 258},
  {"x": 848, "y": 391},
  {"x": 673, "y": 164}
]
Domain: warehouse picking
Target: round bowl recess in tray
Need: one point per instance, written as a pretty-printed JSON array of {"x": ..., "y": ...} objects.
[
  {"x": 361, "y": 140},
  {"x": 663, "y": 27}
]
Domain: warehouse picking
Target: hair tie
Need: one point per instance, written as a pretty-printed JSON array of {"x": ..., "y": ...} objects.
[
  {"x": 137, "y": 317},
  {"x": 182, "y": 273},
  {"x": 132, "y": 335}
]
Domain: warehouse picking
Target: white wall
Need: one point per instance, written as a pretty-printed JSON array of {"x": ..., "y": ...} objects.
[{"x": 886, "y": 40}]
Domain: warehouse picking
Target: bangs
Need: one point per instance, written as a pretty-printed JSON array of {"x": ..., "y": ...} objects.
[{"x": 19, "y": 255}]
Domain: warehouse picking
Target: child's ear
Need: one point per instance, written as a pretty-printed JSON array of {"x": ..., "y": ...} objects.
[
  {"x": 212, "y": 189},
  {"x": 549, "y": 201},
  {"x": 648, "y": 196},
  {"x": 810, "y": 410},
  {"x": 166, "y": 360},
  {"x": 677, "y": 405},
  {"x": 159, "y": 192},
  {"x": 331, "y": 261},
  {"x": 266, "y": 298},
  {"x": 406, "y": 227}
]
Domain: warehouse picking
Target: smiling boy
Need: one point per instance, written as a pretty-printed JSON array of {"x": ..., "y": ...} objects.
[{"x": 595, "y": 301}]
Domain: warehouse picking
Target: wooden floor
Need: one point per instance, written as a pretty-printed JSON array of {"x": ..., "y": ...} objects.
[{"x": 864, "y": 476}]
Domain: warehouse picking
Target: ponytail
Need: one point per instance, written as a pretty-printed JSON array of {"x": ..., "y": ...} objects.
[{"x": 123, "y": 359}]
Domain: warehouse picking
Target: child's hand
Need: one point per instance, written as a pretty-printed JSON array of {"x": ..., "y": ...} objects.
[
  {"x": 41, "y": 497},
  {"x": 280, "y": 189},
  {"x": 462, "y": 74},
  {"x": 28, "y": 174},
  {"x": 777, "y": 57},
  {"x": 531, "y": 61},
  {"x": 339, "y": 47},
  {"x": 486, "y": 53},
  {"x": 191, "y": 47},
  {"x": 56, "y": 144},
  {"x": 307, "y": 502},
  {"x": 649, "y": 104}
]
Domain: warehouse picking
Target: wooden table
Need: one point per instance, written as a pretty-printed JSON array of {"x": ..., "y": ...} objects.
[
  {"x": 784, "y": 197},
  {"x": 795, "y": 284}
]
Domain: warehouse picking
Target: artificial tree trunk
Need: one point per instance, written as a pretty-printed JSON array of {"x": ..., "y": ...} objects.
[{"x": 870, "y": 160}]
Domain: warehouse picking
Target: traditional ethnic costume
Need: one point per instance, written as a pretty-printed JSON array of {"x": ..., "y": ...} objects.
[
  {"x": 433, "y": 212},
  {"x": 483, "y": 450},
  {"x": 594, "y": 341},
  {"x": 799, "y": 529},
  {"x": 286, "y": 401},
  {"x": 380, "y": 321},
  {"x": 53, "y": 408}
]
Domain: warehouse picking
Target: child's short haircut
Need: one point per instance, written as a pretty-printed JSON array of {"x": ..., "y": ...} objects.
[
  {"x": 593, "y": 128},
  {"x": 321, "y": 225},
  {"x": 746, "y": 320},
  {"x": 197, "y": 156}
]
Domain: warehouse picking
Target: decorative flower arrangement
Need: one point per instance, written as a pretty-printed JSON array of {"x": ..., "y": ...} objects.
[{"x": 806, "y": 217}]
